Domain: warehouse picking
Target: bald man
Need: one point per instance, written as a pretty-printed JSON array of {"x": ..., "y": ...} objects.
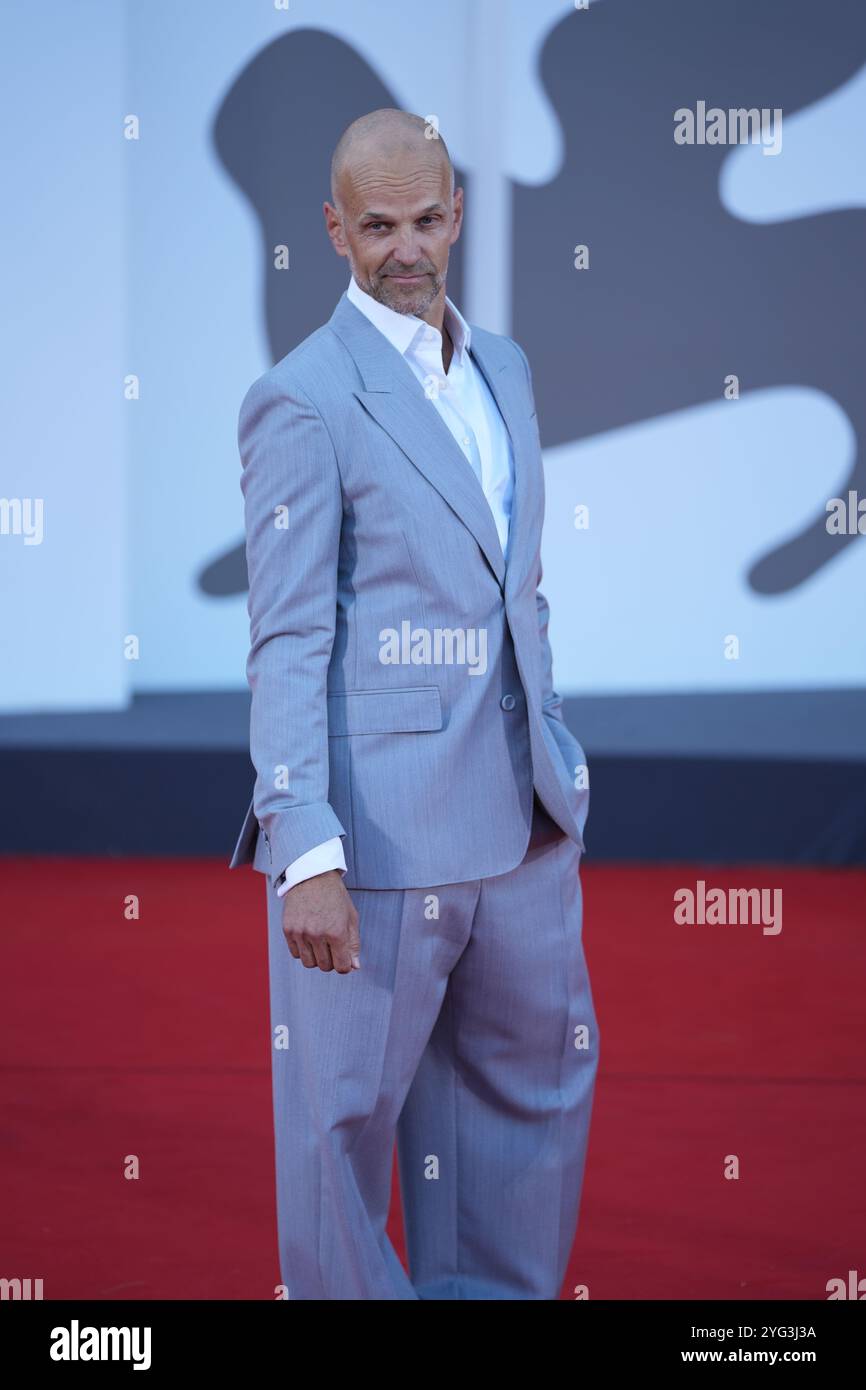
[{"x": 419, "y": 803}]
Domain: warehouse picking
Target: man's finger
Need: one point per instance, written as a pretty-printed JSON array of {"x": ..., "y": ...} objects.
[
  {"x": 308, "y": 955},
  {"x": 355, "y": 942},
  {"x": 341, "y": 953},
  {"x": 322, "y": 952}
]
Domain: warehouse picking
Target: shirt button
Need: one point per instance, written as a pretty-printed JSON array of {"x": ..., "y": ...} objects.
[
  {"x": 466, "y": 441},
  {"x": 508, "y": 702}
]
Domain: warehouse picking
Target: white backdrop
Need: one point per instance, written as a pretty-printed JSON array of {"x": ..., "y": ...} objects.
[{"x": 141, "y": 257}]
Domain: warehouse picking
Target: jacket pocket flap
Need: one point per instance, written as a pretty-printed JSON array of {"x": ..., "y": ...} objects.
[{"x": 411, "y": 709}]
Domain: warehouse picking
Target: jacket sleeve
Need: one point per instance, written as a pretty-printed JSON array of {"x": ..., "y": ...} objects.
[
  {"x": 292, "y": 516},
  {"x": 551, "y": 701}
]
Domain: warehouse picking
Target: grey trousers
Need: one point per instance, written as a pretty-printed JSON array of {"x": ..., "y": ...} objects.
[{"x": 469, "y": 1035}]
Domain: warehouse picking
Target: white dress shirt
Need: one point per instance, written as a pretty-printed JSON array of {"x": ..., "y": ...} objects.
[{"x": 465, "y": 403}]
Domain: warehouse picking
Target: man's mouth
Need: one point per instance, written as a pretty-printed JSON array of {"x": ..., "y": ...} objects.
[{"x": 407, "y": 279}]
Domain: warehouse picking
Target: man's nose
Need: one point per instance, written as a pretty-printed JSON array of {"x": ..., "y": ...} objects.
[{"x": 407, "y": 251}]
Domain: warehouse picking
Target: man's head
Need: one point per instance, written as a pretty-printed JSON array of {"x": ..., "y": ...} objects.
[{"x": 394, "y": 211}]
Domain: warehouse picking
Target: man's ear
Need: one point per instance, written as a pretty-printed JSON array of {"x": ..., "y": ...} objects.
[{"x": 458, "y": 215}]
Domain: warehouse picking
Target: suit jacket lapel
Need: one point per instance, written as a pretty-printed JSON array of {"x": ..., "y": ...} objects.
[
  {"x": 504, "y": 376},
  {"x": 395, "y": 398}
]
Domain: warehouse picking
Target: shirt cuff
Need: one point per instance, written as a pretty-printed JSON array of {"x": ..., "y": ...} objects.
[{"x": 317, "y": 860}]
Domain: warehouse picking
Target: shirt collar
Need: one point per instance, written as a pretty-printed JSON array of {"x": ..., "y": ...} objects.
[{"x": 402, "y": 329}]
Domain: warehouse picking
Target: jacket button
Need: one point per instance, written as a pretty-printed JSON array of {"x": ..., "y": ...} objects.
[{"x": 508, "y": 702}]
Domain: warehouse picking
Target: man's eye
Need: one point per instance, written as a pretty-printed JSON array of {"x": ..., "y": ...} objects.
[{"x": 427, "y": 217}]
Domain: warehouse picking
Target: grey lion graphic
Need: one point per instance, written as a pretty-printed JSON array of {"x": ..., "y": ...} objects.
[{"x": 680, "y": 293}]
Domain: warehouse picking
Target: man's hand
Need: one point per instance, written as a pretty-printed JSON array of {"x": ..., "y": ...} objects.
[{"x": 320, "y": 924}]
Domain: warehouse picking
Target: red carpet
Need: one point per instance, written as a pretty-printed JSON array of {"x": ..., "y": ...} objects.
[{"x": 150, "y": 1038}]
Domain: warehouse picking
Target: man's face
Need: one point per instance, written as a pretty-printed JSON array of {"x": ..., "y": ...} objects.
[{"x": 398, "y": 226}]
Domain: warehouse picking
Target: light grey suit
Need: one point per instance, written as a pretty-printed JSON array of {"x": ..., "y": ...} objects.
[{"x": 465, "y": 1023}]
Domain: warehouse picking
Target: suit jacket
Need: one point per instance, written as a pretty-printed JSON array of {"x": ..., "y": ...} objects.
[{"x": 362, "y": 517}]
